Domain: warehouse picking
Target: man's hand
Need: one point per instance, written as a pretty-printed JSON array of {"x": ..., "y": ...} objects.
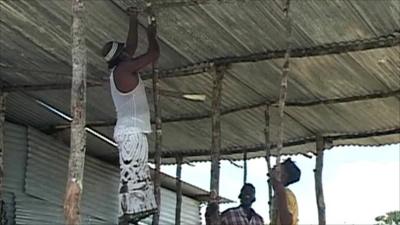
[{"x": 274, "y": 179}]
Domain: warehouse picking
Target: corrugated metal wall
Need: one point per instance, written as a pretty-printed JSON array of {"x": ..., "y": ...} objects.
[
  {"x": 46, "y": 175},
  {"x": 35, "y": 176},
  {"x": 190, "y": 210}
]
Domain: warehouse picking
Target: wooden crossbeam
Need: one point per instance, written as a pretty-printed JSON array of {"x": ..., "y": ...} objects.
[
  {"x": 261, "y": 147},
  {"x": 377, "y": 95},
  {"x": 43, "y": 87},
  {"x": 383, "y": 41}
]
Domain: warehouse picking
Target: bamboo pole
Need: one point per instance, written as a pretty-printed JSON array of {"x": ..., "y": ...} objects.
[
  {"x": 215, "y": 146},
  {"x": 283, "y": 89},
  {"x": 319, "y": 192},
  {"x": 268, "y": 155},
  {"x": 78, "y": 111},
  {"x": 178, "y": 208},
  {"x": 2, "y": 125},
  {"x": 158, "y": 141},
  {"x": 244, "y": 167}
]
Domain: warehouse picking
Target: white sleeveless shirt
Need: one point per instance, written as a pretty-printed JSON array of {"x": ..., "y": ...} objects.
[{"x": 133, "y": 113}]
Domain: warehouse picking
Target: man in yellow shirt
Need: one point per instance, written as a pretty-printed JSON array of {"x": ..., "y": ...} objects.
[{"x": 284, "y": 203}]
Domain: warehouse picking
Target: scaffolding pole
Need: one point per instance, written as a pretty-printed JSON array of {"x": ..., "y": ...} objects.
[
  {"x": 213, "y": 218},
  {"x": 319, "y": 192},
  {"x": 78, "y": 110},
  {"x": 3, "y": 96},
  {"x": 178, "y": 207},
  {"x": 244, "y": 167},
  {"x": 284, "y": 81},
  {"x": 158, "y": 141},
  {"x": 268, "y": 155}
]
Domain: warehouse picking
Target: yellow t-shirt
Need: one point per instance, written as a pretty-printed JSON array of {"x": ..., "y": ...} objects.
[{"x": 292, "y": 206}]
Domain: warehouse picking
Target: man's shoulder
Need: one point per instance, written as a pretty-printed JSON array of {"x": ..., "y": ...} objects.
[
  {"x": 257, "y": 215},
  {"x": 230, "y": 211}
]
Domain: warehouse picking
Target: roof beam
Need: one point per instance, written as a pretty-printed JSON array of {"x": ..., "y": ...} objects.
[
  {"x": 162, "y": 4},
  {"x": 384, "y": 41},
  {"x": 43, "y": 87},
  {"x": 261, "y": 147},
  {"x": 377, "y": 95}
]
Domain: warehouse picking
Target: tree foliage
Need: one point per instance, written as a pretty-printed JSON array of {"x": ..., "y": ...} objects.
[{"x": 390, "y": 218}]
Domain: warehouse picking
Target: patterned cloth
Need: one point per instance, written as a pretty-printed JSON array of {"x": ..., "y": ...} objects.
[
  {"x": 237, "y": 216},
  {"x": 136, "y": 191},
  {"x": 292, "y": 206}
]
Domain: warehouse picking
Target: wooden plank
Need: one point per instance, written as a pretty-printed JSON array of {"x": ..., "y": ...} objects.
[
  {"x": 78, "y": 110},
  {"x": 319, "y": 192}
]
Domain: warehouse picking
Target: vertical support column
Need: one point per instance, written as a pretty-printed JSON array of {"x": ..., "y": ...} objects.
[
  {"x": 213, "y": 213},
  {"x": 283, "y": 89},
  {"x": 178, "y": 207},
  {"x": 78, "y": 111},
  {"x": 244, "y": 167},
  {"x": 158, "y": 141},
  {"x": 319, "y": 192},
  {"x": 268, "y": 155},
  {"x": 2, "y": 128}
]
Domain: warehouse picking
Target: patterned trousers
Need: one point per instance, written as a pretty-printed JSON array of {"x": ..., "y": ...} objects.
[{"x": 136, "y": 191}]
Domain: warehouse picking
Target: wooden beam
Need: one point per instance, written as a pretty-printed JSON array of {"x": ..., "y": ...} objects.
[
  {"x": 384, "y": 41},
  {"x": 319, "y": 193},
  {"x": 267, "y": 136},
  {"x": 244, "y": 167},
  {"x": 44, "y": 87},
  {"x": 261, "y": 146},
  {"x": 283, "y": 88},
  {"x": 213, "y": 204},
  {"x": 2, "y": 129},
  {"x": 162, "y": 4},
  {"x": 350, "y": 99},
  {"x": 158, "y": 141},
  {"x": 178, "y": 207},
  {"x": 78, "y": 108}
]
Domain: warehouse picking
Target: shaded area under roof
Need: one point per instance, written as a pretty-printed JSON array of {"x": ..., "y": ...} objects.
[{"x": 337, "y": 88}]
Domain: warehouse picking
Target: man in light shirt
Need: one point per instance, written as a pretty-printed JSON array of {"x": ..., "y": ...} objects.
[{"x": 284, "y": 203}]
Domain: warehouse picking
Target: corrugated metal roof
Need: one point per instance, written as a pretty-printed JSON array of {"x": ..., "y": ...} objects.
[{"x": 35, "y": 50}]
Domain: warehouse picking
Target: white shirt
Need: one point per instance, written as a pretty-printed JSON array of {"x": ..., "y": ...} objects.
[{"x": 133, "y": 113}]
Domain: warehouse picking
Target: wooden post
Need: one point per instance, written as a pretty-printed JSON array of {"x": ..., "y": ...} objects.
[
  {"x": 268, "y": 155},
  {"x": 283, "y": 89},
  {"x": 78, "y": 112},
  {"x": 178, "y": 207},
  {"x": 2, "y": 125},
  {"x": 215, "y": 146},
  {"x": 244, "y": 167},
  {"x": 158, "y": 140},
  {"x": 319, "y": 192}
]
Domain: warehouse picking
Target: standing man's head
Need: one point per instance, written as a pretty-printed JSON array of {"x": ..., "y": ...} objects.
[
  {"x": 247, "y": 195},
  {"x": 290, "y": 173},
  {"x": 113, "y": 52}
]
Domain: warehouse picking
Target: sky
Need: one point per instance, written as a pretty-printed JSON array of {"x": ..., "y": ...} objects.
[{"x": 360, "y": 183}]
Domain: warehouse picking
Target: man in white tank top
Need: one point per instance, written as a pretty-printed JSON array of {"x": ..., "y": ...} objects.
[{"x": 136, "y": 196}]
